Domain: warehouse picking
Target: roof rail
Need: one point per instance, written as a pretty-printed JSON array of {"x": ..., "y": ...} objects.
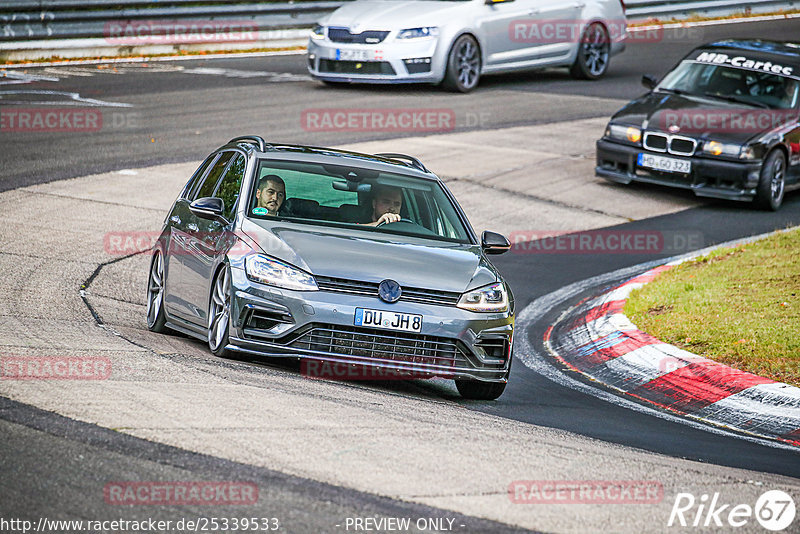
[
  {"x": 253, "y": 139},
  {"x": 417, "y": 164}
]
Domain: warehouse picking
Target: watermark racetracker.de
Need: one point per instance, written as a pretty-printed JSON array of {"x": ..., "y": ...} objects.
[
  {"x": 605, "y": 242},
  {"x": 55, "y": 368},
  {"x": 585, "y": 492},
  {"x": 147, "y": 32},
  {"x": 180, "y": 493},
  {"x": 420, "y": 120},
  {"x": 67, "y": 119},
  {"x": 546, "y": 31}
]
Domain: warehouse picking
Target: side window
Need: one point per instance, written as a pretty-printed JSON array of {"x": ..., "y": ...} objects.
[
  {"x": 197, "y": 176},
  {"x": 231, "y": 183},
  {"x": 206, "y": 189}
]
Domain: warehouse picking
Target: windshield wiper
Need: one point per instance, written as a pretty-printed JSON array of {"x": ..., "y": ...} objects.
[
  {"x": 738, "y": 100},
  {"x": 673, "y": 91}
]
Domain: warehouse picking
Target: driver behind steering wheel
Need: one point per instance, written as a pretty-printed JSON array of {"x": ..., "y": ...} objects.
[{"x": 387, "y": 201}]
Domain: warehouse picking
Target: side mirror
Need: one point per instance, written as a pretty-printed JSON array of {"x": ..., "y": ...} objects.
[
  {"x": 494, "y": 243},
  {"x": 208, "y": 208},
  {"x": 649, "y": 81}
]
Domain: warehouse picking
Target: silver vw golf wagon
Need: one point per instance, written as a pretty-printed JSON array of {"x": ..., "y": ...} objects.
[
  {"x": 337, "y": 258},
  {"x": 455, "y": 42}
]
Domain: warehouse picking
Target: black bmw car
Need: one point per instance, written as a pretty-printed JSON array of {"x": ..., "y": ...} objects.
[{"x": 724, "y": 123}]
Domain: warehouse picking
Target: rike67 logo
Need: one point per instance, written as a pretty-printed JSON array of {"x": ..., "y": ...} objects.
[{"x": 774, "y": 510}]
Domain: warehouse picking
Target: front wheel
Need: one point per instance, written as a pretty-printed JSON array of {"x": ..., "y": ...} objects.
[
  {"x": 594, "y": 50},
  {"x": 156, "y": 319},
  {"x": 474, "y": 390},
  {"x": 219, "y": 313},
  {"x": 463, "y": 65},
  {"x": 770, "y": 190}
]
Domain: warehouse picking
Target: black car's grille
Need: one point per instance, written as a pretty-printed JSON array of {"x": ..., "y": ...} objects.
[
  {"x": 656, "y": 142},
  {"x": 410, "y": 294},
  {"x": 343, "y": 35},
  {"x": 355, "y": 67},
  {"x": 678, "y": 145},
  {"x": 366, "y": 343},
  {"x": 682, "y": 146}
]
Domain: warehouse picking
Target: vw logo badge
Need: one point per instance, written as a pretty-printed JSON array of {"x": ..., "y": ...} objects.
[
  {"x": 389, "y": 291},
  {"x": 674, "y": 128}
]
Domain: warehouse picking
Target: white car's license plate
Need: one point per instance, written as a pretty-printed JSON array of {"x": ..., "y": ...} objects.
[
  {"x": 355, "y": 55},
  {"x": 405, "y": 322},
  {"x": 662, "y": 163}
]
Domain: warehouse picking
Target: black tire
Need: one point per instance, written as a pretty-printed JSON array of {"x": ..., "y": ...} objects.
[
  {"x": 474, "y": 390},
  {"x": 219, "y": 313},
  {"x": 156, "y": 318},
  {"x": 331, "y": 83},
  {"x": 594, "y": 52},
  {"x": 463, "y": 65},
  {"x": 772, "y": 183}
]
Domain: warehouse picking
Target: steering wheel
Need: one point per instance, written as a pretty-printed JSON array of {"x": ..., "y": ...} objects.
[{"x": 393, "y": 222}]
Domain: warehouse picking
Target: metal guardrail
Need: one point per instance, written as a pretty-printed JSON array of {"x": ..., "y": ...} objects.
[
  {"x": 642, "y": 9},
  {"x": 31, "y": 20},
  {"x": 68, "y": 19}
]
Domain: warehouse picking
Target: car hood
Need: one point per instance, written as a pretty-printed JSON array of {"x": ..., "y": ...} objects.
[
  {"x": 697, "y": 117},
  {"x": 358, "y": 255},
  {"x": 391, "y": 14}
]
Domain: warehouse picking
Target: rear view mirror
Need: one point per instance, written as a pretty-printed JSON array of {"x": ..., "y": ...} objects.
[
  {"x": 350, "y": 185},
  {"x": 208, "y": 208},
  {"x": 494, "y": 243},
  {"x": 649, "y": 81}
]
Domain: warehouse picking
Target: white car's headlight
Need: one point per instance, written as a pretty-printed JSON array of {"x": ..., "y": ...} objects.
[
  {"x": 418, "y": 33},
  {"x": 318, "y": 32},
  {"x": 276, "y": 273},
  {"x": 716, "y": 148},
  {"x": 621, "y": 132},
  {"x": 491, "y": 298}
]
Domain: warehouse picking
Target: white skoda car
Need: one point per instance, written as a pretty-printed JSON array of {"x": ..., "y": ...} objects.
[{"x": 454, "y": 42}]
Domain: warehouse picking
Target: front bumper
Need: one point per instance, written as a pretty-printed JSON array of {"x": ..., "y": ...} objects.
[
  {"x": 391, "y": 61},
  {"x": 708, "y": 178},
  {"x": 319, "y": 325}
]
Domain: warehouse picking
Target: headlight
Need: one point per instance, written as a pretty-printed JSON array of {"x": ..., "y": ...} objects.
[
  {"x": 715, "y": 148},
  {"x": 276, "y": 273},
  {"x": 318, "y": 32},
  {"x": 491, "y": 298},
  {"x": 630, "y": 134},
  {"x": 418, "y": 33}
]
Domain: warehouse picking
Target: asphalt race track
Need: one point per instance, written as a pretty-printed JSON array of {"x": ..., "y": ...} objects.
[{"x": 161, "y": 113}]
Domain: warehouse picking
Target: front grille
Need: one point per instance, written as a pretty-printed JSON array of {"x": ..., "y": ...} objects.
[
  {"x": 366, "y": 343},
  {"x": 682, "y": 146},
  {"x": 674, "y": 144},
  {"x": 657, "y": 142},
  {"x": 343, "y": 35},
  {"x": 410, "y": 294},
  {"x": 355, "y": 67}
]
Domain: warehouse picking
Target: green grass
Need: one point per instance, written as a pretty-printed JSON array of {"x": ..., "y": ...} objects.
[{"x": 739, "y": 306}]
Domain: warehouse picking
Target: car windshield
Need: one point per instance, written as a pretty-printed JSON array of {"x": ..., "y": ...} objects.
[
  {"x": 744, "y": 86},
  {"x": 341, "y": 195}
]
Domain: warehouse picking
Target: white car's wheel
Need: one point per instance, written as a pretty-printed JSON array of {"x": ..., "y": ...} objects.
[
  {"x": 594, "y": 51},
  {"x": 463, "y": 65}
]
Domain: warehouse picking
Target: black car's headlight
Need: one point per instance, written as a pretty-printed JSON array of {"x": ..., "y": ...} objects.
[
  {"x": 418, "y": 33},
  {"x": 318, "y": 32},
  {"x": 491, "y": 298},
  {"x": 620, "y": 132},
  {"x": 260, "y": 268},
  {"x": 728, "y": 150}
]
